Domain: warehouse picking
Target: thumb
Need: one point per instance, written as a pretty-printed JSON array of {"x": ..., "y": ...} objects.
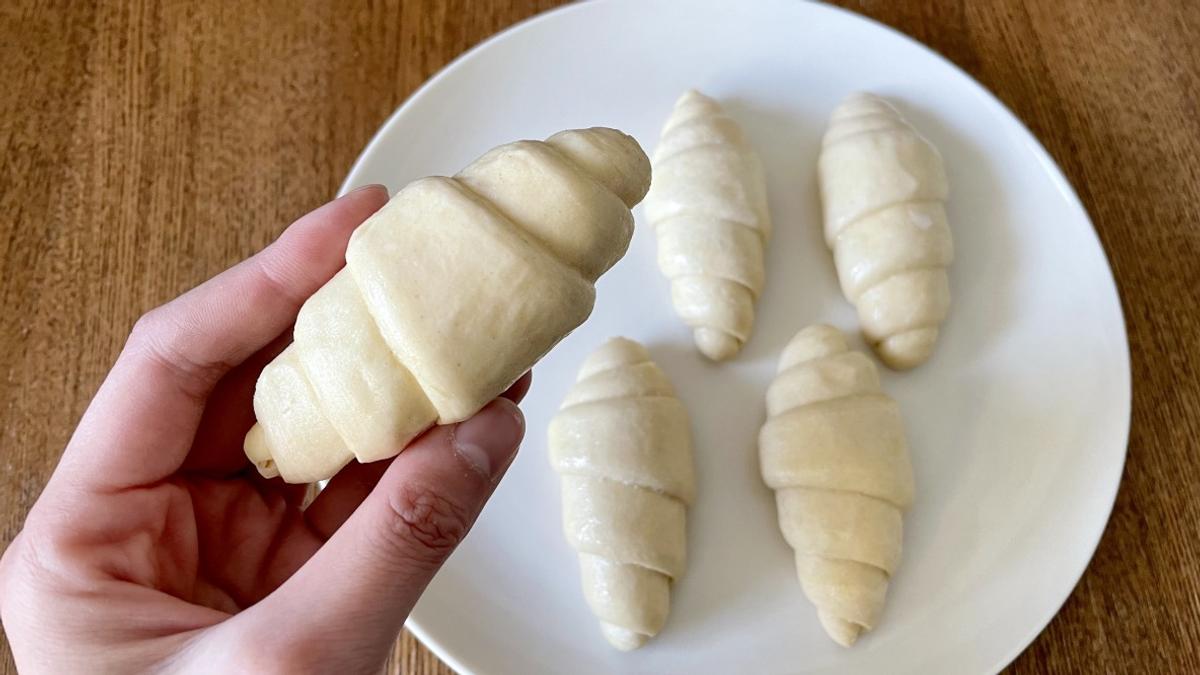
[{"x": 350, "y": 600}]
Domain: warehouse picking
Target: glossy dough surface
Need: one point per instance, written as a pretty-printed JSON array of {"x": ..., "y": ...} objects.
[
  {"x": 834, "y": 452},
  {"x": 884, "y": 190},
  {"x": 450, "y": 292},
  {"x": 623, "y": 449},
  {"x": 708, "y": 207}
]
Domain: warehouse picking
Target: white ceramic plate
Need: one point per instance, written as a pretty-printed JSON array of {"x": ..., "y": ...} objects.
[{"x": 1018, "y": 425}]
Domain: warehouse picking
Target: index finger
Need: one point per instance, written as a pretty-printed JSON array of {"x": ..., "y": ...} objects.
[{"x": 141, "y": 423}]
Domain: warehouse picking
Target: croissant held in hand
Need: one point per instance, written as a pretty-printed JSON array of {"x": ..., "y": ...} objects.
[
  {"x": 884, "y": 191},
  {"x": 450, "y": 292},
  {"x": 708, "y": 206},
  {"x": 623, "y": 448},
  {"x": 833, "y": 450}
]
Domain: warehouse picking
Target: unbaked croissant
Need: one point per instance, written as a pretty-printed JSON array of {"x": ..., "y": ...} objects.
[
  {"x": 623, "y": 448},
  {"x": 833, "y": 450},
  {"x": 884, "y": 191},
  {"x": 450, "y": 292},
  {"x": 708, "y": 206}
]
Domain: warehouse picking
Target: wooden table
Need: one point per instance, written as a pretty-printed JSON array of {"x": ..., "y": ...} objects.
[{"x": 145, "y": 146}]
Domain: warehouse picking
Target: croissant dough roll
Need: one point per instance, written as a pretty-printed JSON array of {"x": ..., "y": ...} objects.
[
  {"x": 622, "y": 445},
  {"x": 884, "y": 191},
  {"x": 450, "y": 292},
  {"x": 708, "y": 206},
  {"x": 833, "y": 450}
]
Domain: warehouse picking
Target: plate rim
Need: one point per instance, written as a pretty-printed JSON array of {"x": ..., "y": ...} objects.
[{"x": 1053, "y": 170}]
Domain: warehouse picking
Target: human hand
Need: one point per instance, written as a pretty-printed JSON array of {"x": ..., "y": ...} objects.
[{"x": 156, "y": 545}]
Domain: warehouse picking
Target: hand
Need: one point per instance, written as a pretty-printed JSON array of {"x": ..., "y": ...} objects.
[{"x": 156, "y": 546}]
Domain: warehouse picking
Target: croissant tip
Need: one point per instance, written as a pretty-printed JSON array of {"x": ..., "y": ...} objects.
[
  {"x": 862, "y": 102},
  {"x": 848, "y": 639},
  {"x": 907, "y": 350},
  {"x": 622, "y": 342},
  {"x": 621, "y": 350},
  {"x": 900, "y": 362},
  {"x": 717, "y": 345},
  {"x": 267, "y": 468},
  {"x": 843, "y": 632},
  {"x": 259, "y": 452},
  {"x": 812, "y": 342},
  {"x": 818, "y": 331},
  {"x": 863, "y": 95},
  {"x": 623, "y": 638}
]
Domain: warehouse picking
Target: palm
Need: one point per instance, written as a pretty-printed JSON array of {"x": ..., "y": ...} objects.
[
  {"x": 222, "y": 543},
  {"x": 241, "y": 540},
  {"x": 213, "y": 534},
  {"x": 230, "y": 536}
]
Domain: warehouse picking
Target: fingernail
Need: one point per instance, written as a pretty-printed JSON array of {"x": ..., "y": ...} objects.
[
  {"x": 488, "y": 441},
  {"x": 368, "y": 186}
]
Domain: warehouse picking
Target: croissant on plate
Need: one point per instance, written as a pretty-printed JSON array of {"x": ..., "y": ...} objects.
[
  {"x": 708, "y": 207},
  {"x": 622, "y": 446},
  {"x": 884, "y": 189},
  {"x": 834, "y": 452},
  {"x": 450, "y": 292}
]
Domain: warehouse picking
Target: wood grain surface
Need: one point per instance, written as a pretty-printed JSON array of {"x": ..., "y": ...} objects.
[{"x": 145, "y": 146}]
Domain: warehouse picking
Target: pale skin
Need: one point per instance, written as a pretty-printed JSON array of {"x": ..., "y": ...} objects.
[{"x": 156, "y": 546}]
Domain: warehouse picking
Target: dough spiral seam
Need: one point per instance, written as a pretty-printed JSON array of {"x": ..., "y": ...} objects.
[
  {"x": 535, "y": 242},
  {"x": 708, "y": 189},
  {"x": 366, "y": 373},
  {"x": 832, "y": 450},
  {"x": 621, "y": 446},
  {"x": 876, "y": 170}
]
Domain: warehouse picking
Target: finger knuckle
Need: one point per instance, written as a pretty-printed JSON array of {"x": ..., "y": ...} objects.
[
  {"x": 425, "y": 524},
  {"x": 147, "y": 326},
  {"x": 151, "y": 333},
  {"x": 31, "y": 567},
  {"x": 7, "y": 562},
  {"x": 160, "y": 337}
]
